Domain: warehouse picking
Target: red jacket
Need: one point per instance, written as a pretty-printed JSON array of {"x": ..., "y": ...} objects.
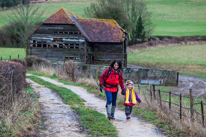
[{"x": 118, "y": 80}]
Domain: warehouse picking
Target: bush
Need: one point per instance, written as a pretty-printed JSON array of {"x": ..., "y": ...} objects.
[
  {"x": 72, "y": 70},
  {"x": 34, "y": 60},
  {"x": 22, "y": 62},
  {"x": 12, "y": 79}
]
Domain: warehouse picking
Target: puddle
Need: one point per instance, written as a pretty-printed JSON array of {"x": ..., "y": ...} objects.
[{"x": 133, "y": 127}]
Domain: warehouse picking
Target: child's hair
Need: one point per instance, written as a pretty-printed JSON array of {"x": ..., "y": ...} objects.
[
  {"x": 116, "y": 61},
  {"x": 129, "y": 82}
]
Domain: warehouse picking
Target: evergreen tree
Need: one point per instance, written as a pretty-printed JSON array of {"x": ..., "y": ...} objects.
[
  {"x": 15, "y": 3},
  {"x": 2, "y": 4},
  {"x": 8, "y": 3},
  {"x": 139, "y": 28}
]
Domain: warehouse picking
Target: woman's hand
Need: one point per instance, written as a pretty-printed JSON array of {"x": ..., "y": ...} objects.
[
  {"x": 123, "y": 92},
  {"x": 101, "y": 88}
]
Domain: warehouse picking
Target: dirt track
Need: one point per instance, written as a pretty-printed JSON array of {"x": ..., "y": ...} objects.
[
  {"x": 61, "y": 120},
  {"x": 133, "y": 127}
]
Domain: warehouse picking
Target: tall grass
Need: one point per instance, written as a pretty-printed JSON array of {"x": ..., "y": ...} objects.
[{"x": 23, "y": 117}]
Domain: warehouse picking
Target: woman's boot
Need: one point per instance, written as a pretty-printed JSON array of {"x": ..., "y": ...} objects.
[
  {"x": 112, "y": 112},
  {"x": 108, "y": 108}
]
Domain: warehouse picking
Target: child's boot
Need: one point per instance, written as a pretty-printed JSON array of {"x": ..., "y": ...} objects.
[
  {"x": 128, "y": 116},
  {"x": 108, "y": 108},
  {"x": 112, "y": 112}
]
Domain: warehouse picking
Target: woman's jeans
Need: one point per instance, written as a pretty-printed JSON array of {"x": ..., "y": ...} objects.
[{"x": 111, "y": 97}]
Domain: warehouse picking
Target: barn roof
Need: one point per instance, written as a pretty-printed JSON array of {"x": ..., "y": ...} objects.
[
  {"x": 62, "y": 16},
  {"x": 94, "y": 30},
  {"x": 102, "y": 30}
]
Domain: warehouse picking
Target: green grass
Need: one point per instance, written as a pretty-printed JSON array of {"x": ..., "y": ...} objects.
[
  {"x": 188, "y": 59},
  {"x": 192, "y": 54},
  {"x": 171, "y": 17},
  {"x": 5, "y": 53},
  {"x": 95, "y": 123}
]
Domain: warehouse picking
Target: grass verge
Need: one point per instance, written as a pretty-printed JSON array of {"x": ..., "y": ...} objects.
[{"x": 94, "y": 122}]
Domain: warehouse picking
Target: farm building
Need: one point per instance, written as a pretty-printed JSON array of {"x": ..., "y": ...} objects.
[{"x": 67, "y": 36}]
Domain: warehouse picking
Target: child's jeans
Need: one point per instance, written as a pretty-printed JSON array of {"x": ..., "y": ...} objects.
[
  {"x": 111, "y": 97},
  {"x": 128, "y": 110}
]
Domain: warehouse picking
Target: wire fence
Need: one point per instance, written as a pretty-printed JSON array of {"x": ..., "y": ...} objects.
[{"x": 183, "y": 109}]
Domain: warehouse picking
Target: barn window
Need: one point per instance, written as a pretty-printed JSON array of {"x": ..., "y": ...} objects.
[
  {"x": 61, "y": 46},
  {"x": 71, "y": 46},
  {"x": 76, "y": 33},
  {"x": 71, "y": 33},
  {"x": 61, "y": 32},
  {"x": 34, "y": 45},
  {"x": 38, "y": 44},
  {"x": 44, "y": 45},
  {"x": 55, "y": 46},
  {"x": 55, "y": 32}
]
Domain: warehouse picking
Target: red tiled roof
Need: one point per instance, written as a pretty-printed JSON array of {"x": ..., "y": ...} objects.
[
  {"x": 60, "y": 17},
  {"x": 102, "y": 30}
]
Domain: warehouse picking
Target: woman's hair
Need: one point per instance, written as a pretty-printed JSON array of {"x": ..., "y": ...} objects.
[{"x": 116, "y": 61}]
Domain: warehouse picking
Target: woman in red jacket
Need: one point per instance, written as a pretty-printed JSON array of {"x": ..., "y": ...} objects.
[{"x": 110, "y": 79}]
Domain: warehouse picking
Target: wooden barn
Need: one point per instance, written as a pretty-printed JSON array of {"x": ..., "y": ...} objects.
[{"x": 67, "y": 36}]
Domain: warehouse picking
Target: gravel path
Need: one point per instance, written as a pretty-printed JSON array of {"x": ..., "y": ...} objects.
[
  {"x": 61, "y": 120},
  {"x": 131, "y": 128}
]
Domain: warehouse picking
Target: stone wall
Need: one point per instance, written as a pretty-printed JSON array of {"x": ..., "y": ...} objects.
[
  {"x": 166, "y": 77},
  {"x": 137, "y": 75}
]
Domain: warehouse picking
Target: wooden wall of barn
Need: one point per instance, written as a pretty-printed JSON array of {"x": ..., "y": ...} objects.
[
  {"x": 106, "y": 52},
  {"x": 58, "y": 43}
]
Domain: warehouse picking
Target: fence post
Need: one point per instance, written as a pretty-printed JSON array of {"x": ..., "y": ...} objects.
[
  {"x": 97, "y": 69},
  {"x": 177, "y": 80},
  {"x": 73, "y": 72},
  {"x": 203, "y": 117},
  {"x": 57, "y": 67},
  {"x": 18, "y": 56},
  {"x": 150, "y": 90},
  {"x": 87, "y": 71},
  {"x": 154, "y": 92},
  {"x": 181, "y": 107},
  {"x": 160, "y": 98},
  {"x": 10, "y": 56},
  {"x": 139, "y": 89},
  {"x": 170, "y": 100},
  {"x": 191, "y": 105},
  {"x": 94, "y": 60},
  {"x": 1, "y": 58}
]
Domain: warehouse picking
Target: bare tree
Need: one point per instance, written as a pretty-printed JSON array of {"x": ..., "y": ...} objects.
[{"x": 22, "y": 22}]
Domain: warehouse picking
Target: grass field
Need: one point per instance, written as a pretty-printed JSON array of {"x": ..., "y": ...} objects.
[
  {"x": 6, "y": 52},
  {"x": 188, "y": 59},
  {"x": 171, "y": 17}
]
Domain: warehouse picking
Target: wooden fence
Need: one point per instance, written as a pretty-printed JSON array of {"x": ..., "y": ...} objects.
[
  {"x": 155, "y": 95},
  {"x": 9, "y": 57}
]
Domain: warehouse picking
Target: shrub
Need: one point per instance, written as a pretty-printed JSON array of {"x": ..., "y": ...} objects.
[
  {"x": 12, "y": 80},
  {"x": 23, "y": 62},
  {"x": 34, "y": 60},
  {"x": 71, "y": 70}
]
